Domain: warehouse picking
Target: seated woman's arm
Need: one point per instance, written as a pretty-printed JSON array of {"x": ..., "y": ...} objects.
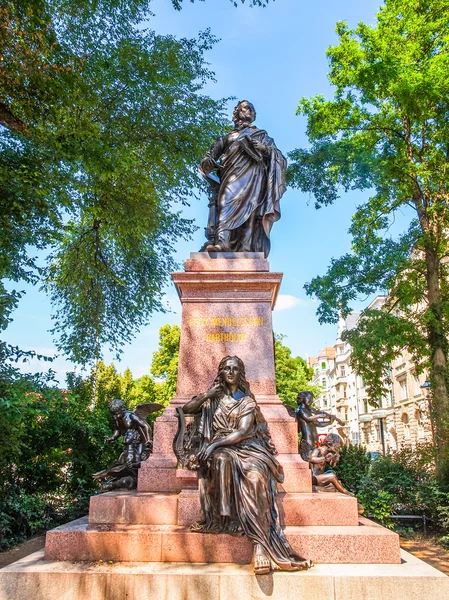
[
  {"x": 194, "y": 405},
  {"x": 244, "y": 430}
]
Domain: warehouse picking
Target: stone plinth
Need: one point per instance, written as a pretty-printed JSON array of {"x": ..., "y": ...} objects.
[
  {"x": 34, "y": 577},
  {"x": 368, "y": 543},
  {"x": 227, "y": 301},
  {"x": 148, "y": 508}
]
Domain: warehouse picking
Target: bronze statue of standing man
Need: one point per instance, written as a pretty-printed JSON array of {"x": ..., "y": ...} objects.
[{"x": 245, "y": 198}]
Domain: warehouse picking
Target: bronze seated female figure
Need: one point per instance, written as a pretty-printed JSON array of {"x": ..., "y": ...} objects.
[{"x": 229, "y": 444}]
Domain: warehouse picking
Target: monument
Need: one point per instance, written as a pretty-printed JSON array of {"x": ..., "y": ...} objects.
[{"x": 151, "y": 542}]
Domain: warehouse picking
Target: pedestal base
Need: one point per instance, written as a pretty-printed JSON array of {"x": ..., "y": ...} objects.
[
  {"x": 34, "y": 577},
  {"x": 366, "y": 543}
]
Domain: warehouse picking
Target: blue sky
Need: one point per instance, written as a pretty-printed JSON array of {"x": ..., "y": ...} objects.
[{"x": 271, "y": 56}]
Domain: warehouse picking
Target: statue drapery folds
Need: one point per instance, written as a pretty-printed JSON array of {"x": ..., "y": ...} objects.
[
  {"x": 246, "y": 196},
  {"x": 228, "y": 442}
]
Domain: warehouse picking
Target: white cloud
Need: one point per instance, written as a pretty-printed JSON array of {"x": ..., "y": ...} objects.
[{"x": 287, "y": 301}]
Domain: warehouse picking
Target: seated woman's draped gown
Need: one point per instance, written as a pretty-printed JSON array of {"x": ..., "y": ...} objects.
[{"x": 239, "y": 481}]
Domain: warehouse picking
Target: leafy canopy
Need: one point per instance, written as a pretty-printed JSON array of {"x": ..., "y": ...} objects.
[
  {"x": 292, "y": 373},
  {"x": 386, "y": 133},
  {"x": 102, "y": 126}
]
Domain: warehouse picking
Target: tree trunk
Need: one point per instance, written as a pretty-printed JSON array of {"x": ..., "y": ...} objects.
[{"x": 438, "y": 355}]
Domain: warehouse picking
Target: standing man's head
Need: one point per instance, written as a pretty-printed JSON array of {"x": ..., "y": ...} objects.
[{"x": 244, "y": 113}]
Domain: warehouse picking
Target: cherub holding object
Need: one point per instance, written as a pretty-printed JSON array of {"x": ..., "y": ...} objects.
[
  {"x": 308, "y": 419},
  {"x": 137, "y": 439},
  {"x": 327, "y": 454}
]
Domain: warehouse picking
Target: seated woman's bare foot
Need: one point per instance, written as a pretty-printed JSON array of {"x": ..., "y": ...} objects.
[
  {"x": 234, "y": 528},
  {"x": 295, "y": 565},
  {"x": 197, "y": 527},
  {"x": 302, "y": 565},
  {"x": 262, "y": 564}
]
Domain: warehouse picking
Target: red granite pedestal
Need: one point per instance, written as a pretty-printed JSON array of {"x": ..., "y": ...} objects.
[
  {"x": 138, "y": 544},
  {"x": 227, "y": 302}
]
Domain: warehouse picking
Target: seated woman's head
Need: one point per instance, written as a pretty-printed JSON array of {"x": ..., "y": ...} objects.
[{"x": 231, "y": 371}]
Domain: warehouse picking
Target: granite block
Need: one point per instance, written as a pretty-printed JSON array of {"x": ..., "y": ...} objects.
[{"x": 368, "y": 543}]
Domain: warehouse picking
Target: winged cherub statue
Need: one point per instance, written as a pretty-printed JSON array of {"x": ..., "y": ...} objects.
[{"x": 137, "y": 439}]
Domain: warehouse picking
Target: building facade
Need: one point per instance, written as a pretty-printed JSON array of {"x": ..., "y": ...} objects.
[{"x": 402, "y": 416}]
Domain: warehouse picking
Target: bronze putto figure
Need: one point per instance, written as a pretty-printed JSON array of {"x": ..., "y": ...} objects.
[{"x": 137, "y": 440}]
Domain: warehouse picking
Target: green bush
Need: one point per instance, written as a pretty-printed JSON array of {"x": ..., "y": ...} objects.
[
  {"x": 402, "y": 482},
  {"x": 52, "y": 444},
  {"x": 353, "y": 467}
]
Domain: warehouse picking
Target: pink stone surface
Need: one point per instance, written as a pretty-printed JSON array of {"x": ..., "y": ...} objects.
[
  {"x": 134, "y": 508},
  {"x": 294, "y": 509},
  {"x": 297, "y": 475},
  {"x": 189, "y": 508},
  {"x": 227, "y": 305},
  {"x": 240, "y": 261},
  {"x": 328, "y": 509},
  {"x": 159, "y": 480},
  {"x": 200, "y": 352},
  {"x": 365, "y": 544}
]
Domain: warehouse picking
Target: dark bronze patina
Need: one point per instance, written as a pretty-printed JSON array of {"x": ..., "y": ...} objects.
[
  {"x": 324, "y": 456},
  {"x": 308, "y": 419},
  {"x": 137, "y": 439},
  {"x": 229, "y": 444},
  {"x": 245, "y": 195}
]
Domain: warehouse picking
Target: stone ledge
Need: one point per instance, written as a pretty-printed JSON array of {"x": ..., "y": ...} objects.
[
  {"x": 34, "y": 577},
  {"x": 150, "y": 508},
  {"x": 368, "y": 543}
]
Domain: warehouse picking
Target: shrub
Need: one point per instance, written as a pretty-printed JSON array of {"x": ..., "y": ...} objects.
[{"x": 353, "y": 467}]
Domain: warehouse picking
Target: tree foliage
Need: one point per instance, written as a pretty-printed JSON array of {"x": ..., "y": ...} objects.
[
  {"x": 164, "y": 365},
  {"x": 386, "y": 132},
  {"x": 292, "y": 373},
  {"x": 178, "y": 4},
  {"x": 102, "y": 124}
]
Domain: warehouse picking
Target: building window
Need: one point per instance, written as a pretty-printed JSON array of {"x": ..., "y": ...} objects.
[
  {"x": 406, "y": 424},
  {"x": 323, "y": 383},
  {"x": 404, "y": 390},
  {"x": 323, "y": 366},
  {"x": 343, "y": 371},
  {"x": 418, "y": 390},
  {"x": 365, "y": 406},
  {"x": 390, "y": 393}
]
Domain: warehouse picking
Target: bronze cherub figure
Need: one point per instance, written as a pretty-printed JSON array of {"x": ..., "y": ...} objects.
[{"x": 137, "y": 439}]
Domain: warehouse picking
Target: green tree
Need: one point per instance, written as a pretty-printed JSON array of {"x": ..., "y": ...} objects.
[
  {"x": 126, "y": 385},
  {"x": 292, "y": 373},
  {"x": 102, "y": 123},
  {"x": 386, "y": 131},
  {"x": 165, "y": 363},
  {"x": 143, "y": 390},
  {"x": 105, "y": 384}
]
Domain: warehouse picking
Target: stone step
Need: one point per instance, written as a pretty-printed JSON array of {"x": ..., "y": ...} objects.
[
  {"x": 366, "y": 543},
  {"x": 149, "y": 508},
  {"x": 34, "y": 577}
]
